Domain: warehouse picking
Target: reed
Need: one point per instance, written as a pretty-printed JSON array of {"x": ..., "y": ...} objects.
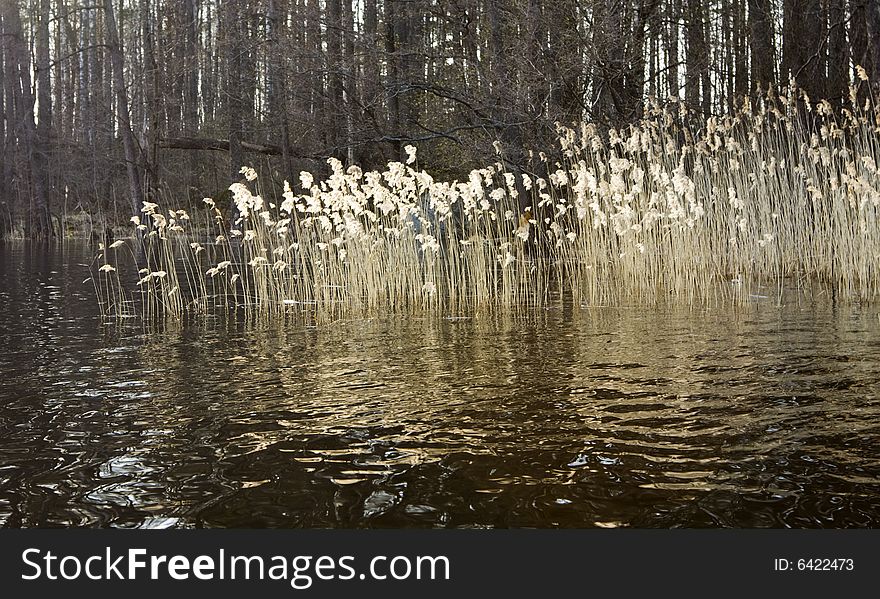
[{"x": 675, "y": 208}]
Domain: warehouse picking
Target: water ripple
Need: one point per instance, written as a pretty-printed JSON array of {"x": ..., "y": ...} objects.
[{"x": 757, "y": 417}]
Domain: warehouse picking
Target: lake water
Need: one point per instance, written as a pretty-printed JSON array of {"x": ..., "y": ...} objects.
[{"x": 756, "y": 416}]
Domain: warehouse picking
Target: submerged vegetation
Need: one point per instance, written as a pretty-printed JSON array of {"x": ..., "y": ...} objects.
[{"x": 781, "y": 191}]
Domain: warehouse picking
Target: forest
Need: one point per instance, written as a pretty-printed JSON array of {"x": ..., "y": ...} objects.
[{"x": 109, "y": 103}]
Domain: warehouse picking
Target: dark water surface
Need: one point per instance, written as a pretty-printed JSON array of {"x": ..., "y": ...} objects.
[{"x": 760, "y": 416}]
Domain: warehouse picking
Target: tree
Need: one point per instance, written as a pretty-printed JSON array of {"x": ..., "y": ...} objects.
[
  {"x": 135, "y": 190},
  {"x": 761, "y": 44},
  {"x": 872, "y": 18},
  {"x": 698, "y": 58},
  {"x": 803, "y": 47},
  {"x": 838, "y": 53},
  {"x": 208, "y": 85},
  {"x": 231, "y": 18},
  {"x": 17, "y": 67}
]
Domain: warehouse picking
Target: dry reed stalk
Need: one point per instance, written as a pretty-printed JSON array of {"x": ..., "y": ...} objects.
[{"x": 673, "y": 209}]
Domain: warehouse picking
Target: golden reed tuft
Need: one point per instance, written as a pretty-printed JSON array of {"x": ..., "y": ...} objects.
[{"x": 674, "y": 208}]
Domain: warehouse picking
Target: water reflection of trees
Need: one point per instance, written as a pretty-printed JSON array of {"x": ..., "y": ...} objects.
[
  {"x": 514, "y": 418},
  {"x": 562, "y": 416}
]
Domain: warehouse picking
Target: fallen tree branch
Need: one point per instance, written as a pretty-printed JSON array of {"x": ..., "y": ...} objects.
[{"x": 220, "y": 145}]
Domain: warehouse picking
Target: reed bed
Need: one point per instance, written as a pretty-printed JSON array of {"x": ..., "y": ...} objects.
[{"x": 675, "y": 208}]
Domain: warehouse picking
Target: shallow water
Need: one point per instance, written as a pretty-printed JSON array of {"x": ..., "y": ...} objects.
[{"x": 759, "y": 416}]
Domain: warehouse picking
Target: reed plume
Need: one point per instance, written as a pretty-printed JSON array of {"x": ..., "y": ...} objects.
[{"x": 677, "y": 208}]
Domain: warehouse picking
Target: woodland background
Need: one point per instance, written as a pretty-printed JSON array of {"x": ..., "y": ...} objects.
[{"x": 106, "y": 103}]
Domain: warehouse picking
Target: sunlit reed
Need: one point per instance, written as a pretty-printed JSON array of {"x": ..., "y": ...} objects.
[{"x": 674, "y": 208}]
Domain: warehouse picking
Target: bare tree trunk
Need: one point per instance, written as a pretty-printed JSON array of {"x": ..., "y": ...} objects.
[
  {"x": 60, "y": 83},
  {"x": 697, "y": 53},
  {"x": 536, "y": 87},
  {"x": 123, "y": 116},
  {"x": 609, "y": 82},
  {"x": 565, "y": 97},
  {"x": 350, "y": 82},
  {"x": 403, "y": 33},
  {"x": 705, "y": 79},
  {"x": 644, "y": 15},
  {"x": 315, "y": 107},
  {"x": 652, "y": 51},
  {"x": 803, "y": 49},
  {"x": 335, "y": 67},
  {"x": 413, "y": 60},
  {"x": 371, "y": 81},
  {"x": 838, "y": 55},
  {"x": 471, "y": 80},
  {"x": 247, "y": 54},
  {"x": 393, "y": 83},
  {"x": 10, "y": 111},
  {"x": 152, "y": 100},
  {"x": 5, "y": 146},
  {"x": 85, "y": 121},
  {"x": 190, "y": 111},
  {"x": 39, "y": 222},
  {"x": 761, "y": 43},
  {"x": 276, "y": 28},
  {"x": 740, "y": 51},
  {"x": 208, "y": 66},
  {"x": 502, "y": 85},
  {"x": 858, "y": 42},
  {"x": 673, "y": 8},
  {"x": 872, "y": 16},
  {"x": 233, "y": 31},
  {"x": 191, "y": 88},
  {"x": 725, "y": 60},
  {"x": 44, "y": 119}
]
